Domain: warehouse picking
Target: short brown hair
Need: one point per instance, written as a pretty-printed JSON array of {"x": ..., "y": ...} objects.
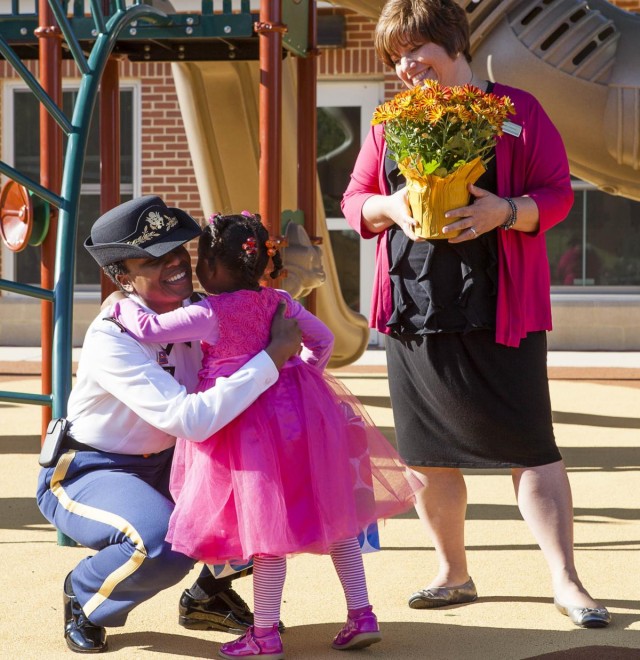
[{"x": 405, "y": 23}]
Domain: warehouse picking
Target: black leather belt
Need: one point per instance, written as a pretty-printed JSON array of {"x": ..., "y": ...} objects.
[{"x": 69, "y": 443}]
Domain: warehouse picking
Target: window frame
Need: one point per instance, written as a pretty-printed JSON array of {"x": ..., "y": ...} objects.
[
  {"x": 367, "y": 94},
  {"x": 564, "y": 292}
]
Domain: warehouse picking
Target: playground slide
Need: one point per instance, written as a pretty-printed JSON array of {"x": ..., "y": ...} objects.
[{"x": 220, "y": 108}]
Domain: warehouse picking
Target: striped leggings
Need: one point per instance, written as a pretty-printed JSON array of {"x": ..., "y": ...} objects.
[{"x": 269, "y": 574}]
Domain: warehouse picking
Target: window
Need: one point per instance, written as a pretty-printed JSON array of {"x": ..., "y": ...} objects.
[
  {"x": 598, "y": 245},
  {"x": 338, "y": 145},
  {"x": 344, "y": 116},
  {"x": 22, "y": 106}
]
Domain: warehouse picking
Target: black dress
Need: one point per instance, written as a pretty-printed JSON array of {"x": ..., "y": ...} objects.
[{"x": 460, "y": 399}]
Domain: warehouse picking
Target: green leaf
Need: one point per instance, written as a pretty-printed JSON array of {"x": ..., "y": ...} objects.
[{"x": 430, "y": 167}]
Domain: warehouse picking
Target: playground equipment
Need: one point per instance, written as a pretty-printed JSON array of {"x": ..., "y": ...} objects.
[
  {"x": 583, "y": 62},
  {"x": 143, "y": 31},
  {"x": 150, "y": 33},
  {"x": 24, "y": 217},
  {"x": 60, "y": 291}
]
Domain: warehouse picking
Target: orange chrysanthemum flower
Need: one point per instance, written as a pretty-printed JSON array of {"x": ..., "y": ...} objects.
[{"x": 437, "y": 129}]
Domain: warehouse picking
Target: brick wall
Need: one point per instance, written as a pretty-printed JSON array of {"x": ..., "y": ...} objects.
[
  {"x": 357, "y": 58},
  {"x": 166, "y": 167}
]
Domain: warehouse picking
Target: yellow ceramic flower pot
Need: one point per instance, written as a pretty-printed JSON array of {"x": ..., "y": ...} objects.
[{"x": 430, "y": 197}]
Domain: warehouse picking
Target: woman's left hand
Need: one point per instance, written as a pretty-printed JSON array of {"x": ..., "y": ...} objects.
[{"x": 487, "y": 212}]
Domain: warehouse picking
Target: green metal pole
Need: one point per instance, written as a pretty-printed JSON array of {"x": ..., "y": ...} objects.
[{"x": 70, "y": 193}]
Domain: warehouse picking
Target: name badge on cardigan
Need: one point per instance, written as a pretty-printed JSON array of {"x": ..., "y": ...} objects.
[{"x": 510, "y": 128}]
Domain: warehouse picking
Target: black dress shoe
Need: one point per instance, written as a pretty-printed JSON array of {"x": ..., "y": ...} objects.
[
  {"x": 81, "y": 635},
  {"x": 224, "y": 611}
]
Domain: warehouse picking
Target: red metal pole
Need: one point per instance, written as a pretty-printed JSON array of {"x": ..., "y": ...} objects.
[
  {"x": 270, "y": 29},
  {"x": 50, "y": 62},
  {"x": 109, "y": 149},
  {"x": 307, "y": 138}
]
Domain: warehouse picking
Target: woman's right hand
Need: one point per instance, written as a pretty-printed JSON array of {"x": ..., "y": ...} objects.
[
  {"x": 381, "y": 211},
  {"x": 286, "y": 337}
]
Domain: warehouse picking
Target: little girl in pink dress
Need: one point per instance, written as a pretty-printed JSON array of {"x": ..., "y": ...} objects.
[{"x": 301, "y": 470}]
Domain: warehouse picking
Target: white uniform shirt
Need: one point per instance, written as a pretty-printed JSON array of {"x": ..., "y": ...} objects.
[{"x": 125, "y": 402}]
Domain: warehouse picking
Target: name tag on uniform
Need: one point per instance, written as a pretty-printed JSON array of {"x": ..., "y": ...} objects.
[
  {"x": 163, "y": 358},
  {"x": 510, "y": 128}
]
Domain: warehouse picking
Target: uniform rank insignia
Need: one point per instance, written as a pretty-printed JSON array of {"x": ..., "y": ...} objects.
[
  {"x": 163, "y": 358},
  {"x": 116, "y": 322}
]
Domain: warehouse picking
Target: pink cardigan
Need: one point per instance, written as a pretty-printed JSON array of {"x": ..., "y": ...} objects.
[{"x": 533, "y": 164}]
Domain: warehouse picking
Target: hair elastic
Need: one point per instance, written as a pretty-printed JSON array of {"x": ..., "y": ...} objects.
[
  {"x": 272, "y": 247},
  {"x": 249, "y": 246}
]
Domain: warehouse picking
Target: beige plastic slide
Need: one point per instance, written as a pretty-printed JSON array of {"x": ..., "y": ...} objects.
[{"x": 220, "y": 108}]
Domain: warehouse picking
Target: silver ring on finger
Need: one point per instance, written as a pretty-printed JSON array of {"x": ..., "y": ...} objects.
[{"x": 474, "y": 232}]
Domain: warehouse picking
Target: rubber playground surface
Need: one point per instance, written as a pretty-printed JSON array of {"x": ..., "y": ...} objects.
[{"x": 597, "y": 423}]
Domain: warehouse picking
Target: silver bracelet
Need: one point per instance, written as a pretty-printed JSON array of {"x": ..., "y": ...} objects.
[{"x": 511, "y": 220}]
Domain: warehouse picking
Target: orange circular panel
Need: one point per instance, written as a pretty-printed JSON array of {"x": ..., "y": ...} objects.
[{"x": 16, "y": 216}]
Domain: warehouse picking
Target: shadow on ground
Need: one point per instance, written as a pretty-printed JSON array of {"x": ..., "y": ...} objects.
[
  {"x": 23, "y": 513},
  {"x": 418, "y": 640},
  {"x": 20, "y": 444},
  {"x": 602, "y": 421}
]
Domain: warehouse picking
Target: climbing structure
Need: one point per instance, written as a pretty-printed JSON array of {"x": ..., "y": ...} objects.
[{"x": 142, "y": 31}]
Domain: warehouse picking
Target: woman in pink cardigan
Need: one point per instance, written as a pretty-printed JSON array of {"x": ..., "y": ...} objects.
[{"x": 466, "y": 318}]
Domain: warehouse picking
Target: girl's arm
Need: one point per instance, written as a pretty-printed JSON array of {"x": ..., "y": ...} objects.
[
  {"x": 195, "y": 322},
  {"x": 317, "y": 339},
  {"x": 124, "y": 369}
]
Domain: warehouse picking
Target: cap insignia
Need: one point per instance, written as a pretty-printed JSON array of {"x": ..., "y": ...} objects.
[{"x": 156, "y": 225}]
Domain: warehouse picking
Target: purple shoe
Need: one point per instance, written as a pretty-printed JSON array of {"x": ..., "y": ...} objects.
[
  {"x": 268, "y": 647},
  {"x": 358, "y": 632}
]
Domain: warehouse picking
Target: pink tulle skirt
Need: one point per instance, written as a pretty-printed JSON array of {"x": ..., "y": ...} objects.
[{"x": 299, "y": 469}]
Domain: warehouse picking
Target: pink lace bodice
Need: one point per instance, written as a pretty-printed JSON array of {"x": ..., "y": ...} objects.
[{"x": 244, "y": 319}]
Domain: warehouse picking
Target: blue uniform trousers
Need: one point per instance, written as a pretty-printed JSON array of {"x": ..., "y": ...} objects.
[{"x": 119, "y": 506}]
